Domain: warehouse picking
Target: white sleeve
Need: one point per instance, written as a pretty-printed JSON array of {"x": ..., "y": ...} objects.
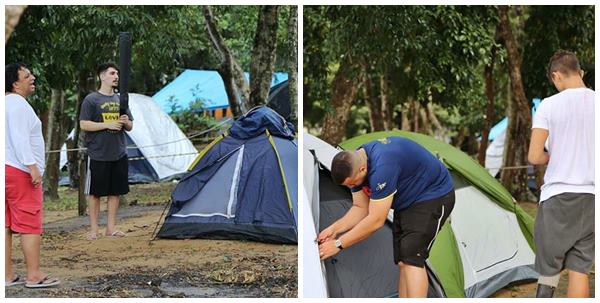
[
  {"x": 20, "y": 132},
  {"x": 542, "y": 116}
]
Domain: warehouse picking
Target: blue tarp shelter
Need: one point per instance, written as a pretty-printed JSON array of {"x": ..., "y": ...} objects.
[
  {"x": 206, "y": 85},
  {"x": 243, "y": 185}
]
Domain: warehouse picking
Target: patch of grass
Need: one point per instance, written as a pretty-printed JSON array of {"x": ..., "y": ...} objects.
[
  {"x": 67, "y": 200},
  {"x": 151, "y": 194},
  {"x": 140, "y": 194}
]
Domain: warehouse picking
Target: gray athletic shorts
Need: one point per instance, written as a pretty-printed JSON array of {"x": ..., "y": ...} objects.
[{"x": 564, "y": 234}]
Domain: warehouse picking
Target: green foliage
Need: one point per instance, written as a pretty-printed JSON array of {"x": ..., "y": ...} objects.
[
  {"x": 238, "y": 25},
  {"x": 430, "y": 53},
  {"x": 548, "y": 29},
  {"x": 61, "y": 43},
  {"x": 436, "y": 54},
  {"x": 193, "y": 119}
]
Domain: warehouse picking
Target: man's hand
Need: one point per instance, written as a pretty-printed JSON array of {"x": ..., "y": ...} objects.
[
  {"x": 327, "y": 234},
  {"x": 116, "y": 125},
  {"x": 328, "y": 249},
  {"x": 36, "y": 176},
  {"x": 125, "y": 122}
]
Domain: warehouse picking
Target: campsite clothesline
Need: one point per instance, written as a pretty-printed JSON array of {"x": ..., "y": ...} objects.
[
  {"x": 510, "y": 167},
  {"x": 154, "y": 145},
  {"x": 161, "y": 156}
]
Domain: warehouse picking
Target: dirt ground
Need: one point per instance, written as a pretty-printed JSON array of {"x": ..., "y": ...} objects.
[{"x": 134, "y": 266}]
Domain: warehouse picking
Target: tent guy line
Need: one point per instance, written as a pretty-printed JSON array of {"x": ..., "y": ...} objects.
[{"x": 154, "y": 145}]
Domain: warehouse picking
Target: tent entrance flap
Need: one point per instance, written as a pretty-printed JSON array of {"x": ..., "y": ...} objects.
[
  {"x": 220, "y": 191},
  {"x": 475, "y": 214},
  {"x": 369, "y": 263}
]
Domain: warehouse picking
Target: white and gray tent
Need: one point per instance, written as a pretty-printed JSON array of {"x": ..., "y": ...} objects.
[
  {"x": 158, "y": 150},
  {"x": 481, "y": 249}
]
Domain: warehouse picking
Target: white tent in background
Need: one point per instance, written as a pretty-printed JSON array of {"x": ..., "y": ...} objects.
[
  {"x": 166, "y": 151},
  {"x": 494, "y": 154}
]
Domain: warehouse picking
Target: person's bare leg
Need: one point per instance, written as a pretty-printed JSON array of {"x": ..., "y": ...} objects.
[
  {"x": 402, "y": 293},
  {"x": 111, "y": 218},
  {"x": 94, "y": 212},
  {"x": 416, "y": 281},
  {"x": 578, "y": 285},
  {"x": 31, "y": 251},
  {"x": 9, "y": 273}
]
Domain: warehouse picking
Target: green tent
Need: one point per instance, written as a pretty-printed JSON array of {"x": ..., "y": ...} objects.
[{"x": 489, "y": 238}]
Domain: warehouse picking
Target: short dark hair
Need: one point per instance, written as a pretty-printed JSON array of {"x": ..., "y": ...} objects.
[
  {"x": 341, "y": 166},
  {"x": 104, "y": 66},
  {"x": 563, "y": 61},
  {"x": 12, "y": 75}
]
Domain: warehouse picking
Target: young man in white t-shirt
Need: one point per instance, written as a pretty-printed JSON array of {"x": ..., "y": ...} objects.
[{"x": 564, "y": 225}]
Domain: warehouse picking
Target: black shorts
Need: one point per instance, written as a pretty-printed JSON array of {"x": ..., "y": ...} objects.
[
  {"x": 107, "y": 178},
  {"x": 416, "y": 227}
]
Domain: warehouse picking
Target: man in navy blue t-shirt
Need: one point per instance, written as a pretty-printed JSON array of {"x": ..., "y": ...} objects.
[{"x": 396, "y": 173}]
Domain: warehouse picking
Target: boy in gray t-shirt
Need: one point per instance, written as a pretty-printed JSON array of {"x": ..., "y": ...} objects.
[
  {"x": 106, "y": 143},
  {"x": 103, "y": 145}
]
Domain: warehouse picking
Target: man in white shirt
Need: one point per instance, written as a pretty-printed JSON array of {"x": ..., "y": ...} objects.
[
  {"x": 23, "y": 177},
  {"x": 564, "y": 225}
]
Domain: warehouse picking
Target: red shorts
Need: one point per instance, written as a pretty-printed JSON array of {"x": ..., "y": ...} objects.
[{"x": 24, "y": 208}]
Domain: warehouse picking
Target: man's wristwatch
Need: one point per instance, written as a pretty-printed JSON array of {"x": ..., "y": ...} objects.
[{"x": 338, "y": 244}]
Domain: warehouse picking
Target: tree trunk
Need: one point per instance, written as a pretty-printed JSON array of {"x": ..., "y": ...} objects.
[
  {"x": 72, "y": 143},
  {"x": 489, "y": 113},
  {"x": 460, "y": 138},
  {"x": 440, "y": 132},
  {"x": 232, "y": 74},
  {"x": 414, "y": 112},
  {"x": 45, "y": 119},
  {"x": 54, "y": 142},
  {"x": 292, "y": 65},
  {"x": 263, "y": 55},
  {"x": 425, "y": 124},
  {"x": 386, "y": 106},
  {"x": 373, "y": 99},
  {"x": 78, "y": 161},
  {"x": 519, "y": 123},
  {"x": 12, "y": 14},
  {"x": 82, "y": 170},
  {"x": 344, "y": 89},
  {"x": 404, "y": 117}
]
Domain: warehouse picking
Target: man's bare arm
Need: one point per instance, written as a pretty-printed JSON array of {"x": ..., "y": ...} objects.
[
  {"x": 91, "y": 126},
  {"x": 537, "y": 155}
]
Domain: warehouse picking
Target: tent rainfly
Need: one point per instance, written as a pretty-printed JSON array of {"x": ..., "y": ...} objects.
[{"x": 241, "y": 186}]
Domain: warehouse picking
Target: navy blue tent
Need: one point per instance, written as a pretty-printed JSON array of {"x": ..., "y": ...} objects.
[{"x": 243, "y": 185}]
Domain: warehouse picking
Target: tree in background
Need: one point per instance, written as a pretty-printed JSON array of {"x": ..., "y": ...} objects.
[
  {"x": 292, "y": 63},
  {"x": 12, "y": 14},
  {"x": 232, "y": 74},
  {"x": 519, "y": 117},
  {"x": 430, "y": 55},
  {"x": 263, "y": 54}
]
